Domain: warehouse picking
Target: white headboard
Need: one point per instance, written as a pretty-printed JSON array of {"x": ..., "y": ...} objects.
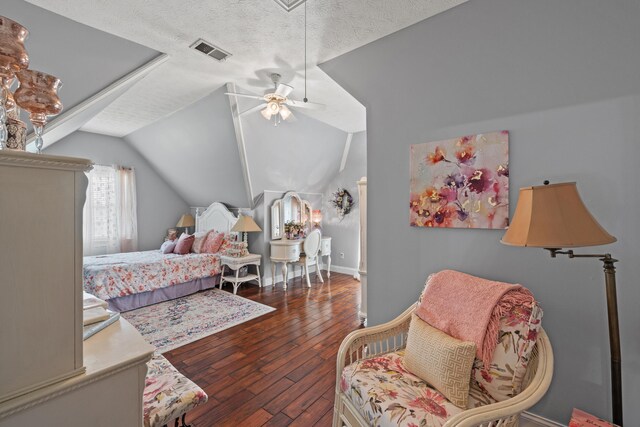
[{"x": 215, "y": 217}]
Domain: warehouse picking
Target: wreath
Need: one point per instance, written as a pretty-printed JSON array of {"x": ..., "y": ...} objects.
[{"x": 342, "y": 201}]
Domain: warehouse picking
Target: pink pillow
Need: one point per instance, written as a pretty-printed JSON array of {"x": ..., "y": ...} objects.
[
  {"x": 184, "y": 244},
  {"x": 200, "y": 238},
  {"x": 213, "y": 243}
]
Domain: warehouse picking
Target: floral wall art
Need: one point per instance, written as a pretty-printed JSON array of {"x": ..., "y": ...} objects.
[{"x": 461, "y": 182}]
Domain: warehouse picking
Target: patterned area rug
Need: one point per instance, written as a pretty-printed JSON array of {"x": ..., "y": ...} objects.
[{"x": 174, "y": 323}]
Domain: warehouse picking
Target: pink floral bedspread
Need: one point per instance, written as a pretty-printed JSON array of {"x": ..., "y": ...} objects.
[{"x": 118, "y": 275}]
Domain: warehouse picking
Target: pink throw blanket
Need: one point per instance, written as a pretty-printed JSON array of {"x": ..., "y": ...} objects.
[{"x": 470, "y": 308}]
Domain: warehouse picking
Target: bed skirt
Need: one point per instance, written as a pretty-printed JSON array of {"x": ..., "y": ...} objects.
[{"x": 131, "y": 302}]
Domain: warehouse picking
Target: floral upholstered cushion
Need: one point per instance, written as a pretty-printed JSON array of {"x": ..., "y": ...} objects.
[
  {"x": 516, "y": 339},
  {"x": 168, "y": 394},
  {"x": 386, "y": 394}
]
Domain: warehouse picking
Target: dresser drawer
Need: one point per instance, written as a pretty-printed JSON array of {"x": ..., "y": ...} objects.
[
  {"x": 288, "y": 251},
  {"x": 293, "y": 252}
]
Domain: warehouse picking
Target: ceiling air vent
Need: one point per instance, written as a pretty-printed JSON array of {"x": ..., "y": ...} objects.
[
  {"x": 289, "y": 5},
  {"x": 210, "y": 50}
]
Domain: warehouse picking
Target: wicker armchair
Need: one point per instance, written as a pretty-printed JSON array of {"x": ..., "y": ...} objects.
[{"x": 391, "y": 336}]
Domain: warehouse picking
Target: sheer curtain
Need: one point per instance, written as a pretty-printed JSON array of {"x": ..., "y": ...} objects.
[{"x": 110, "y": 217}]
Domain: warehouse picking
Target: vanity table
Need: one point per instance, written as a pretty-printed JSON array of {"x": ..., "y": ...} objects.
[
  {"x": 287, "y": 251},
  {"x": 291, "y": 208}
]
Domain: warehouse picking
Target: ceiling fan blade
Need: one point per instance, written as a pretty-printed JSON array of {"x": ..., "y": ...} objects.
[
  {"x": 251, "y": 110},
  {"x": 309, "y": 105},
  {"x": 283, "y": 90},
  {"x": 242, "y": 95}
]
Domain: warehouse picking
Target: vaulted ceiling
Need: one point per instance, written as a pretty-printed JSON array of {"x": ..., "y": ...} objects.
[{"x": 261, "y": 36}]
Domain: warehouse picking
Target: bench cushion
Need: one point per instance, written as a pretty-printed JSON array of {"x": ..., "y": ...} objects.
[{"x": 167, "y": 393}]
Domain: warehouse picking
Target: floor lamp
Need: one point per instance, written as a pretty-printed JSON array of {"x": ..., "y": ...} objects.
[{"x": 554, "y": 217}]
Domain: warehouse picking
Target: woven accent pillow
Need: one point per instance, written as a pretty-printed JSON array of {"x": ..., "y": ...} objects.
[{"x": 442, "y": 361}]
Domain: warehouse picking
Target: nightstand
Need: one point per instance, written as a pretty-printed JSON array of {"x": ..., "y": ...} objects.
[{"x": 235, "y": 263}]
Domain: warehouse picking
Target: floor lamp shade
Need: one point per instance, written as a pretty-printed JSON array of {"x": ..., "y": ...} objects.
[{"x": 554, "y": 216}]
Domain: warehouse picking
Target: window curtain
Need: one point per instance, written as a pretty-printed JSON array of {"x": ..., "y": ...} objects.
[{"x": 110, "y": 216}]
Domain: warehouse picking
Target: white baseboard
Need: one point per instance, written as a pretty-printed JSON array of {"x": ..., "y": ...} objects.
[
  {"x": 266, "y": 280},
  {"x": 344, "y": 270},
  {"x": 527, "y": 419}
]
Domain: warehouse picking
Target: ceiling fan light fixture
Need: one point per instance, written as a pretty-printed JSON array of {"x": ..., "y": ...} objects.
[
  {"x": 266, "y": 113},
  {"x": 285, "y": 112},
  {"x": 274, "y": 107}
]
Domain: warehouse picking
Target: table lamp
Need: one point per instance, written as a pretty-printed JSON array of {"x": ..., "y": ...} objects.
[
  {"x": 554, "y": 217},
  {"x": 316, "y": 218},
  {"x": 185, "y": 222},
  {"x": 245, "y": 224}
]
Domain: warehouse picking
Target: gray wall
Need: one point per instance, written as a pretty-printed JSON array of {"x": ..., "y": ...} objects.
[
  {"x": 301, "y": 155},
  {"x": 344, "y": 232},
  {"x": 159, "y": 206},
  {"x": 195, "y": 150},
  {"x": 562, "y": 77},
  {"x": 81, "y": 56}
]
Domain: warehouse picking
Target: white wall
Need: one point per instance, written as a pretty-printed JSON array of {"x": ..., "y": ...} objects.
[
  {"x": 159, "y": 206},
  {"x": 562, "y": 77},
  {"x": 300, "y": 155},
  {"x": 344, "y": 232},
  {"x": 195, "y": 150}
]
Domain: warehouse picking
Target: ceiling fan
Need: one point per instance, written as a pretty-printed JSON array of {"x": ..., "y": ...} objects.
[{"x": 276, "y": 103}]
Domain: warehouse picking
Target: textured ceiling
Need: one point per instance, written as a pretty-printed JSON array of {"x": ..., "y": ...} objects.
[{"x": 261, "y": 36}]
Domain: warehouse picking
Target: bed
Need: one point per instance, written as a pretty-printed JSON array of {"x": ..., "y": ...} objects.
[{"x": 136, "y": 279}]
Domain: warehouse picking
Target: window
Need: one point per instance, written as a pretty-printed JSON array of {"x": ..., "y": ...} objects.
[{"x": 110, "y": 218}]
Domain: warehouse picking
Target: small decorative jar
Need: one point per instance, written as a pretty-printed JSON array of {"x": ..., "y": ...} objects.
[{"x": 16, "y": 131}]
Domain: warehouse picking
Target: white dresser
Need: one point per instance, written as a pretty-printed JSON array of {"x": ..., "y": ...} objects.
[
  {"x": 287, "y": 251},
  {"x": 48, "y": 375}
]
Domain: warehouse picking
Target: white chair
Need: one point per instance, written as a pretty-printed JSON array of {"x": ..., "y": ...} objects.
[{"x": 311, "y": 248}]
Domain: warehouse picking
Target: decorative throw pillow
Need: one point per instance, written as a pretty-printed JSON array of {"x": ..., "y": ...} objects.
[
  {"x": 515, "y": 341},
  {"x": 442, "y": 361},
  {"x": 199, "y": 238},
  {"x": 213, "y": 243},
  {"x": 226, "y": 243},
  {"x": 168, "y": 247},
  {"x": 184, "y": 244}
]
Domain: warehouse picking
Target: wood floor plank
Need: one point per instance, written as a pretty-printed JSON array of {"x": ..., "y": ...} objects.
[
  {"x": 313, "y": 414},
  {"x": 277, "y": 369}
]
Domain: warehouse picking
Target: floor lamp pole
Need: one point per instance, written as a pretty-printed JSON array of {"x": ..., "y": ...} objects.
[
  {"x": 614, "y": 337},
  {"x": 614, "y": 329}
]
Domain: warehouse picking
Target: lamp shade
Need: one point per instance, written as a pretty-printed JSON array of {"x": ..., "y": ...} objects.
[
  {"x": 246, "y": 224},
  {"x": 266, "y": 113},
  {"x": 186, "y": 220},
  {"x": 554, "y": 216}
]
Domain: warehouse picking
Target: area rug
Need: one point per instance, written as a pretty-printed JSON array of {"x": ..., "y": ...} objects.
[{"x": 174, "y": 323}]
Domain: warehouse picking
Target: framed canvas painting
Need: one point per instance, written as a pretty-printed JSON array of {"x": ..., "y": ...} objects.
[{"x": 461, "y": 182}]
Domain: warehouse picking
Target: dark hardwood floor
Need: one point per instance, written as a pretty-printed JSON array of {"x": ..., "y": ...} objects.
[{"x": 278, "y": 369}]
